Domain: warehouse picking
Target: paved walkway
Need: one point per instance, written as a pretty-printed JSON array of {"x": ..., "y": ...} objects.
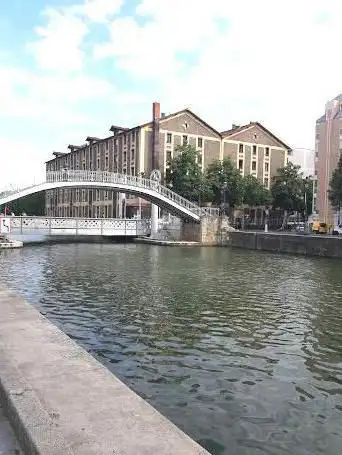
[{"x": 8, "y": 443}]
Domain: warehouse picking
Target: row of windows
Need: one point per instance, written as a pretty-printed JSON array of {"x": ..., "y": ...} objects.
[
  {"x": 185, "y": 140},
  {"x": 254, "y": 150},
  {"x": 254, "y": 166}
]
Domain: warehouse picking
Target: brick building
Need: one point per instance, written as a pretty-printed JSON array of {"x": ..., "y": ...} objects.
[{"x": 139, "y": 150}]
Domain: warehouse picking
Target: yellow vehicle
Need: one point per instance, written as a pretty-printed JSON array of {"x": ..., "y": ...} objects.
[{"x": 319, "y": 228}]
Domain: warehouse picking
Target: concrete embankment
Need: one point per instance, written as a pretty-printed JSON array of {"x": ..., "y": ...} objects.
[
  {"x": 61, "y": 401},
  {"x": 308, "y": 245}
]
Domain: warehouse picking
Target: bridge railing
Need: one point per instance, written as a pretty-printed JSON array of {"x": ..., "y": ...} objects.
[
  {"x": 116, "y": 178},
  {"x": 139, "y": 182}
]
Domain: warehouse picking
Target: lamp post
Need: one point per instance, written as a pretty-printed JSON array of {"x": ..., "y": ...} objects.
[
  {"x": 267, "y": 212},
  {"x": 224, "y": 200}
]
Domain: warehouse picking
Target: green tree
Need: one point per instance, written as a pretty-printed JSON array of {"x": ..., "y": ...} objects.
[
  {"x": 224, "y": 181},
  {"x": 254, "y": 192},
  {"x": 33, "y": 204},
  {"x": 335, "y": 191},
  {"x": 288, "y": 190},
  {"x": 185, "y": 175}
]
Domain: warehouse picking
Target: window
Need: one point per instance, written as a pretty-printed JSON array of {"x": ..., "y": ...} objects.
[
  {"x": 240, "y": 165},
  {"x": 254, "y": 150},
  {"x": 267, "y": 166},
  {"x": 168, "y": 156},
  {"x": 185, "y": 140},
  {"x": 98, "y": 163},
  {"x": 132, "y": 170},
  {"x": 240, "y": 148},
  {"x": 125, "y": 140},
  {"x": 266, "y": 182},
  {"x": 199, "y": 159},
  {"x": 97, "y": 195},
  {"x": 267, "y": 151},
  {"x": 169, "y": 138},
  {"x": 253, "y": 165},
  {"x": 107, "y": 145},
  {"x": 132, "y": 154},
  {"x": 199, "y": 142},
  {"x": 133, "y": 136},
  {"x": 106, "y": 195},
  {"x": 107, "y": 161},
  {"x": 125, "y": 157}
]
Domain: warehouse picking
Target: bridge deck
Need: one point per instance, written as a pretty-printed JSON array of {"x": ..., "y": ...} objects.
[{"x": 75, "y": 226}]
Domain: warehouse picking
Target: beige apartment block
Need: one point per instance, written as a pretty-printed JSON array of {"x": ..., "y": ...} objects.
[
  {"x": 255, "y": 151},
  {"x": 152, "y": 145}
]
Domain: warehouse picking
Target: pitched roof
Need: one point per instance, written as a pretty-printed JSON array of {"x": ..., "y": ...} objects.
[
  {"x": 183, "y": 111},
  {"x": 239, "y": 129}
]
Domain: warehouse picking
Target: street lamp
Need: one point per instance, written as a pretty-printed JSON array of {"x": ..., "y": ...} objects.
[{"x": 224, "y": 199}]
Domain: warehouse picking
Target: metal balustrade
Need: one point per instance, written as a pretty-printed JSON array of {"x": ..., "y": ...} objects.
[
  {"x": 121, "y": 179},
  {"x": 31, "y": 225}
]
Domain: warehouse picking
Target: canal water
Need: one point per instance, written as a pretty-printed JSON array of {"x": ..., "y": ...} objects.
[{"x": 241, "y": 349}]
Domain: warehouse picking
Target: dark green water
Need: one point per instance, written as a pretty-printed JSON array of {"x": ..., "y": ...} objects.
[{"x": 242, "y": 350}]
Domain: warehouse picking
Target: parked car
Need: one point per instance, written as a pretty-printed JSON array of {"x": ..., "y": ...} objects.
[
  {"x": 319, "y": 228},
  {"x": 337, "y": 230},
  {"x": 300, "y": 227}
]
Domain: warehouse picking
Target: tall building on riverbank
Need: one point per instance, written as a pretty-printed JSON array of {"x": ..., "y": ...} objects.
[
  {"x": 328, "y": 150},
  {"x": 152, "y": 145}
]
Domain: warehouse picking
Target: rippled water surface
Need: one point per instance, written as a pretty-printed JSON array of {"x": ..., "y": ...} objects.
[{"x": 241, "y": 349}]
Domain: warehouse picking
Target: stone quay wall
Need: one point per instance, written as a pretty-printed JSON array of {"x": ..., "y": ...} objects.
[
  {"x": 61, "y": 401},
  {"x": 308, "y": 245}
]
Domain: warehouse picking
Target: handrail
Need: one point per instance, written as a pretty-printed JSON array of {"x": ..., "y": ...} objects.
[{"x": 111, "y": 177}]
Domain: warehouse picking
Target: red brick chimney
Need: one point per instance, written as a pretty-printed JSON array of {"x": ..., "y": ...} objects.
[{"x": 156, "y": 111}]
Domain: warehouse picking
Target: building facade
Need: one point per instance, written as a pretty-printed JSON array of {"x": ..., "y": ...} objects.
[
  {"x": 255, "y": 150},
  {"x": 139, "y": 150},
  {"x": 328, "y": 146}
]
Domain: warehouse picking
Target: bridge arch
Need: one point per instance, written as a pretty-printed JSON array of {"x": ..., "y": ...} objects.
[{"x": 145, "y": 188}]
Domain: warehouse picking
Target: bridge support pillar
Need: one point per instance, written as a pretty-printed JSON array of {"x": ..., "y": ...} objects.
[
  {"x": 210, "y": 231},
  {"x": 154, "y": 221}
]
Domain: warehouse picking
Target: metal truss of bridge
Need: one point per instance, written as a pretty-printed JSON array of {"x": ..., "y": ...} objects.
[
  {"x": 147, "y": 189},
  {"x": 113, "y": 227}
]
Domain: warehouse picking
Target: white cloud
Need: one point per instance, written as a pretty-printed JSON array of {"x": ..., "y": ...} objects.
[
  {"x": 59, "y": 44},
  {"x": 101, "y": 10},
  {"x": 230, "y": 61},
  {"x": 27, "y": 159},
  {"x": 254, "y": 60},
  {"x": 49, "y": 98}
]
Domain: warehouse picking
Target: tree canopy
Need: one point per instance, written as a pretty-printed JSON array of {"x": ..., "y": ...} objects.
[
  {"x": 224, "y": 176},
  {"x": 34, "y": 205},
  {"x": 288, "y": 188},
  {"x": 185, "y": 175},
  {"x": 222, "y": 182},
  {"x": 254, "y": 192}
]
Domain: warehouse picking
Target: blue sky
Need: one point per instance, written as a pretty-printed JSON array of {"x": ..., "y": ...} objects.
[{"x": 70, "y": 68}]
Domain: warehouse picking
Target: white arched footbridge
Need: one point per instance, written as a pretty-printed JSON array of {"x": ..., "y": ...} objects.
[{"x": 142, "y": 187}]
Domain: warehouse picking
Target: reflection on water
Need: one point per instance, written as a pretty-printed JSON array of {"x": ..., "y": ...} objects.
[{"x": 242, "y": 350}]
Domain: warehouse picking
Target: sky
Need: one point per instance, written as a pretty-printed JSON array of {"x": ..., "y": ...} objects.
[{"x": 72, "y": 68}]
